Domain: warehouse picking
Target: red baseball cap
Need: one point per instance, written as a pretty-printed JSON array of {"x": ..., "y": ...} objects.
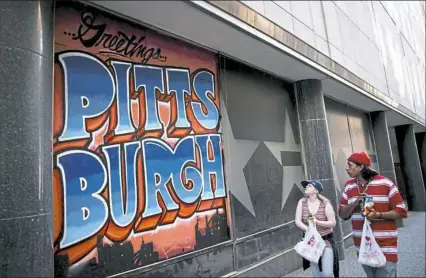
[{"x": 360, "y": 158}]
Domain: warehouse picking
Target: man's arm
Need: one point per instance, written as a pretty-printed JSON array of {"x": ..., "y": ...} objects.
[
  {"x": 346, "y": 209},
  {"x": 394, "y": 215},
  {"x": 391, "y": 215},
  {"x": 398, "y": 208}
]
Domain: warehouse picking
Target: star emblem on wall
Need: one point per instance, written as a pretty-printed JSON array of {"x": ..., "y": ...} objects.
[{"x": 238, "y": 153}]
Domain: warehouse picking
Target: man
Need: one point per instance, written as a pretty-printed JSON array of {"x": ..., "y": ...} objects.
[{"x": 388, "y": 207}]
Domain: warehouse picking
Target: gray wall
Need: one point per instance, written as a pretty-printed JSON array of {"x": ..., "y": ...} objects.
[
  {"x": 411, "y": 167},
  {"x": 421, "y": 147},
  {"x": 382, "y": 42},
  {"x": 350, "y": 131},
  {"x": 263, "y": 164},
  {"x": 401, "y": 179},
  {"x": 383, "y": 145},
  {"x": 394, "y": 145}
]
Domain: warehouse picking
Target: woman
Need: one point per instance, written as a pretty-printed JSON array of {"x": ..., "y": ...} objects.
[{"x": 318, "y": 209}]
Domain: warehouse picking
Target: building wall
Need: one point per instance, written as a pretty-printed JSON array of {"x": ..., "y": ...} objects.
[
  {"x": 394, "y": 145},
  {"x": 263, "y": 163},
  {"x": 210, "y": 175},
  {"x": 350, "y": 131},
  {"x": 383, "y": 42},
  {"x": 162, "y": 169}
]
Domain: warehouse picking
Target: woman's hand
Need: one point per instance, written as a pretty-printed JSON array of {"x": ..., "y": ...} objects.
[{"x": 331, "y": 218}]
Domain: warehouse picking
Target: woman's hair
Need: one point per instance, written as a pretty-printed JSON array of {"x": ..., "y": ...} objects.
[
  {"x": 367, "y": 173},
  {"x": 323, "y": 199}
]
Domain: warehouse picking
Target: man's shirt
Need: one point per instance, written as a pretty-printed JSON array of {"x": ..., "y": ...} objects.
[{"x": 386, "y": 197}]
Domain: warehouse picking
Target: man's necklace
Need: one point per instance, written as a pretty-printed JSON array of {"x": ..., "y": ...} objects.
[{"x": 365, "y": 187}]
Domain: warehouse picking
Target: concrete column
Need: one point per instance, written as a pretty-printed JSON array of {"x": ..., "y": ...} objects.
[
  {"x": 26, "y": 52},
  {"x": 410, "y": 163},
  {"x": 318, "y": 163},
  {"x": 383, "y": 146},
  {"x": 394, "y": 145},
  {"x": 421, "y": 146}
]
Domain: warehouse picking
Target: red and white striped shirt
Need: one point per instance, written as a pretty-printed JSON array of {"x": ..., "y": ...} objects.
[{"x": 386, "y": 197}]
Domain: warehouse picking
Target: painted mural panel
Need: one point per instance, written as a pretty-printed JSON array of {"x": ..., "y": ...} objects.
[{"x": 138, "y": 157}]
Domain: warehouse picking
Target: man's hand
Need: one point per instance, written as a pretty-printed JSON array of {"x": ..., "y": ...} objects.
[
  {"x": 389, "y": 215},
  {"x": 373, "y": 214},
  {"x": 360, "y": 198}
]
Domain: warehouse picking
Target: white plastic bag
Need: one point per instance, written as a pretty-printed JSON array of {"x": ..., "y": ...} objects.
[
  {"x": 312, "y": 246},
  {"x": 370, "y": 252}
]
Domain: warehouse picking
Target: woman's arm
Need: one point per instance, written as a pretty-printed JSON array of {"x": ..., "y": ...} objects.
[
  {"x": 298, "y": 217},
  {"x": 331, "y": 219}
]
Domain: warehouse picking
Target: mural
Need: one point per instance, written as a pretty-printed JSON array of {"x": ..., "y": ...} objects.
[{"x": 138, "y": 154}]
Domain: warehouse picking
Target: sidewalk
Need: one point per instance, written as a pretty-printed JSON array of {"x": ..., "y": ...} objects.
[{"x": 411, "y": 252}]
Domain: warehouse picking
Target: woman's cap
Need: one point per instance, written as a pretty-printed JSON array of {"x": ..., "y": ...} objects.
[{"x": 317, "y": 184}]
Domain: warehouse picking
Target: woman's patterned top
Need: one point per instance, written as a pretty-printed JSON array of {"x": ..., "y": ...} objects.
[{"x": 320, "y": 215}]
